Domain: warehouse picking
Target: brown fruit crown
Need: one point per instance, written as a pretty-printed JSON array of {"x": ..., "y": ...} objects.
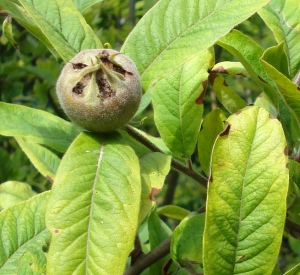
[{"x": 99, "y": 89}]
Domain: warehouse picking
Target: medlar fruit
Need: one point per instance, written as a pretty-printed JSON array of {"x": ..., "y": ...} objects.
[{"x": 99, "y": 89}]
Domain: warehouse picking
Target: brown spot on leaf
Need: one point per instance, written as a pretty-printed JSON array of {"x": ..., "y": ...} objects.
[
  {"x": 287, "y": 166},
  {"x": 56, "y": 231},
  {"x": 210, "y": 178},
  {"x": 199, "y": 100},
  {"x": 211, "y": 78},
  {"x": 220, "y": 70},
  {"x": 286, "y": 151},
  {"x": 238, "y": 112},
  {"x": 226, "y": 131},
  {"x": 49, "y": 179},
  {"x": 225, "y": 83},
  {"x": 261, "y": 79},
  {"x": 271, "y": 117},
  {"x": 154, "y": 191}
]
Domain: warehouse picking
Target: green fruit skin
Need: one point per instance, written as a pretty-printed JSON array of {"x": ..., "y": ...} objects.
[{"x": 90, "y": 111}]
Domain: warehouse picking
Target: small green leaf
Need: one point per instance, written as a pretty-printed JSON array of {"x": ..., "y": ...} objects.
[
  {"x": 24, "y": 19},
  {"x": 178, "y": 104},
  {"x": 186, "y": 244},
  {"x": 249, "y": 53},
  {"x": 160, "y": 45},
  {"x": 45, "y": 161},
  {"x": 59, "y": 25},
  {"x": 12, "y": 192},
  {"x": 93, "y": 210},
  {"x": 158, "y": 232},
  {"x": 226, "y": 94},
  {"x": 212, "y": 126},
  {"x": 154, "y": 169},
  {"x": 263, "y": 101},
  {"x": 8, "y": 32},
  {"x": 230, "y": 68},
  {"x": 277, "y": 57},
  {"x": 246, "y": 205},
  {"x": 173, "y": 211},
  {"x": 36, "y": 126},
  {"x": 22, "y": 237}
]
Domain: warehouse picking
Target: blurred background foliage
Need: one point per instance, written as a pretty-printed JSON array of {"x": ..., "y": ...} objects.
[{"x": 28, "y": 73}]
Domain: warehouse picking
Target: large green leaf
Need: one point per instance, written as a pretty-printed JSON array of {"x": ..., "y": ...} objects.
[
  {"x": 154, "y": 169},
  {"x": 282, "y": 17},
  {"x": 36, "y": 126},
  {"x": 23, "y": 236},
  {"x": 175, "y": 31},
  {"x": 44, "y": 160},
  {"x": 246, "y": 203},
  {"x": 178, "y": 104},
  {"x": 94, "y": 205},
  {"x": 62, "y": 25}
]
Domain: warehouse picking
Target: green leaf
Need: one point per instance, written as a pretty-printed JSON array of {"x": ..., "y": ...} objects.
[
  {"x": 160, "y": 45},
  {"x": 294, "y": 271},
  {"x": 93, "y": 210},
  {"x": 294, "y": 168},
  {"x": 178, "y": 104},
  {"x": 8, "y": 32},
  {"x": 288, "y": 91},
  {"x": 186, "y": 243},
  {"x": 249, "y": 53},
  {"x": 263, "y": 101},
  {"x": 58, "y": 19},
  {"x": 277, "y": 57},
  {"x": 36, "y": 126},
  {"x": 246, "y": 205},
  {"x": 23, "y": 235},
  {"x": 282, "y": 17},
  {"x": 12, "y": 192},
  {"x": 212, "y": 126},
  {"x": 158, "y": 232},
  {"x": 173, "y": 211},
  {"x": 226, "y": 94},
  {"x": 82, "y": 5},
  {"x": 230, "y": 68},
  {"x": 44, "y": 160},
  {"x": 24, "y": 19},
  {"x": 154, "y": 169}
]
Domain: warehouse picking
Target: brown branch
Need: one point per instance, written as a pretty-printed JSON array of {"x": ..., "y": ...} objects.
[
  {"x": 145, "y": 260},
  {"x": 174, "y": 163}
]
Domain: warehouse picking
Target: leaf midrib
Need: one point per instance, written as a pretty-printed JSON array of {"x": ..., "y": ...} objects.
[
  {"x": 242, "y": 197},
  {"x": 92, "y": 206}
]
